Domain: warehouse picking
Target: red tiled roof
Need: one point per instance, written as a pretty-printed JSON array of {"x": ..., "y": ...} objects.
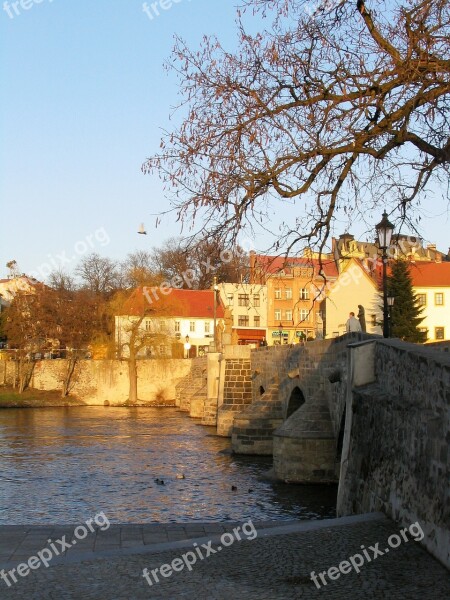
[
  {"x": 430, "y": 274},
  {"x": 270, "y": 265},
  {"x": 173, "y": 303}
]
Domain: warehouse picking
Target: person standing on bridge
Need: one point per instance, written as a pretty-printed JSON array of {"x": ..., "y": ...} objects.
[{"x": 352, "y": 324}]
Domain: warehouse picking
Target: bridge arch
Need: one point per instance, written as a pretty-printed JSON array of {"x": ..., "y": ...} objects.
[{"x": 296, "y": 400}]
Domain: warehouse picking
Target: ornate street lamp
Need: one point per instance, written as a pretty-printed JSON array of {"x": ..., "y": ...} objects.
[
  {"x": 280, "y": 331},
  {"x": 384, "y": 233}
]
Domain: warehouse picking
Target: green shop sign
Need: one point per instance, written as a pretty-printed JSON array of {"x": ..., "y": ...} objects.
[{"x": 277, "y": 333}]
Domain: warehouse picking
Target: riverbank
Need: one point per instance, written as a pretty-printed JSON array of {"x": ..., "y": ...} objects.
[{"x": 31, "y": 398}]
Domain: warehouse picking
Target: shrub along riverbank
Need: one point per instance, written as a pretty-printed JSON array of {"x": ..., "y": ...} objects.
[{"x": 30, "y": 398}]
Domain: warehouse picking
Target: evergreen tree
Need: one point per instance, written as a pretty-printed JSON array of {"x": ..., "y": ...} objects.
[{"x": 405, "y": 314}]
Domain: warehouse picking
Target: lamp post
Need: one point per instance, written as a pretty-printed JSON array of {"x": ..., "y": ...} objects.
[
  {"x": 215, "y": 290},
  {"x": 384, "y": 233},
  {"x": 390, "y": 302},
  {"x": 280, "y": 331}
]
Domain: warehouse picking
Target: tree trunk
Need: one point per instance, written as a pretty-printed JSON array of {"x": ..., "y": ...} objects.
[
  {"x": 71, "y": 364},
  {"x": 26, "y": 369},
  {"x": 132, "y": 373}
]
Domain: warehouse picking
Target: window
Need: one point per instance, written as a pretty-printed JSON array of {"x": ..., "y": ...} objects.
[
  {"x": 439, "y": 299},
  {"x": 256, "y": 321},
  {"x": 207, "y": 326},
  {"x": 148, "y": 325},
  {"x": 422, "y": 299},
  {"x": 243, "y": 320},
  {"x": 278, "y": 294},
  {"x": 288, "y": 293},
  {"x": 374, "y": 320},
  {"x": 243, "y": 299},
  {"x": 177, "y": 326},
  {"x": 425, "y": 331},
  {"x": 230, "y": 299},
  {"x": 256, "y": 300},
  {"x": 289, "y": 315},
  {"x": 162, "y": 350},
  {"x": 192, "y": 326},
  {"x": 439, "y": 333},
  {"x": 277, "y": 314},
  {"x": 304, "y": 294},
  {"x": 304, "y": 314}
]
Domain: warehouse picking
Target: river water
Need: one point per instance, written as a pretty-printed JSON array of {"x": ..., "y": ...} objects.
[{"x": 63, "y": 465}]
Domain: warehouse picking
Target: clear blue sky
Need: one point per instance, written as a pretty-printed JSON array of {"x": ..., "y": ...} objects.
[{"x": 84, "y": 100}]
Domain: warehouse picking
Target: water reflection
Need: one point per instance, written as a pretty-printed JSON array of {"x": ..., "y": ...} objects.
[{"x": 62, "y": 465}]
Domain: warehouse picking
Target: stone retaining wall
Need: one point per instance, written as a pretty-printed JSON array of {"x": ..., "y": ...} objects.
[
  {"x": 396, "y": 450},
  {"x": 97, "y": 382}
]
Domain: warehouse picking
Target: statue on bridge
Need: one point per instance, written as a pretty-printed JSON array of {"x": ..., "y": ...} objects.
[{"x": 362, "y": 317}]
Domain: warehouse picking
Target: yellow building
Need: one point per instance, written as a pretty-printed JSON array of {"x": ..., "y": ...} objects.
[
  {"x": 294, "y": 292},
  {"x": 354, "y": 287}
]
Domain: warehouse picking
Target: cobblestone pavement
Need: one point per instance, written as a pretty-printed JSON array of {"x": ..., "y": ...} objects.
[{"x": 275, "y": 565}]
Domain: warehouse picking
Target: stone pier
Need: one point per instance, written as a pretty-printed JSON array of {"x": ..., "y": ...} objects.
[{"x": 237, "y": 387}]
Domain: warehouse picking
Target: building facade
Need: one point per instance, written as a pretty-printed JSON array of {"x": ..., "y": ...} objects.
[
  {"x": 431, "y": 284},
  {"x": 247, "y": 304},
  {"x": 171, "y": 322},
  {"x": 295, "y": 288},
  {"x": 353, "y": 288}
]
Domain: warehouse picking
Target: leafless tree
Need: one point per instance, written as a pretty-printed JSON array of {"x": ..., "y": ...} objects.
[
  {"x": 71, "y": 319},
  {"x": 138, "y": 270},
  {"x": 196, "y": 262},
  {"x": 60, "y": 280},
  {"x": 99, "y": 274},
  {"x": 132, "y": 312},
  {"x": 335, "y": 110},
  {"x": 24, "y": 335}
]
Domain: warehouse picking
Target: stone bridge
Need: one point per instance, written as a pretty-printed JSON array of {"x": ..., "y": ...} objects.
[{"x": 371, "y": 414}]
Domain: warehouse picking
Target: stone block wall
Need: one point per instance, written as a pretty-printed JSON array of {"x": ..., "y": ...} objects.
[
  {"x": 397, "y": 457},
  {"x": 191, "y": 384},
  {"x": 237, "y": 386},
  {"x": 253, "y": 428}
]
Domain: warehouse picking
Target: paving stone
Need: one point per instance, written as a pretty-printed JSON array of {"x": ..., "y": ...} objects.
[{"x": 276, "y": 565}]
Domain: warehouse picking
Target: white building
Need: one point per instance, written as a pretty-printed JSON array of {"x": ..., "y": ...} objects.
[
  {"x": 10, "y": 287},
  {"x": 431, "y": 284},
  {"x": 247, "y": 303},
  {"x": 171, "y": 320}
]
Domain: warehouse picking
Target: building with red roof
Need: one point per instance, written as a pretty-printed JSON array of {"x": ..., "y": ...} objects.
[
  {"x": 170, "y": 321},
  {"x": 294, "y": 293},
  {"x": 431, "y": 284}
]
